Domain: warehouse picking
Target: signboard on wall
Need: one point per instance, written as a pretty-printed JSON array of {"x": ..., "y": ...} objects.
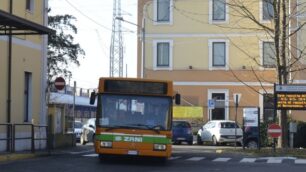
[
  {"x": 250, "y": 117},
  {"x": 187, "y": 112},
  {"x": 290, "y": 97}
]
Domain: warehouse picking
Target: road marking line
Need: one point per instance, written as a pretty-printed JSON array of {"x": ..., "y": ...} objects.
[
  {"x": 300, "y": 161},
  {"x": 274, "y": 160},
  {"x": 248, "y": 160},
  {"x": 80, "y": 152},
  {"x": 91, "y": 155},
  {"x": 221, "y": 159},
  {"x": 174, "y": 157},
  {"x": 195, "y": 159}
]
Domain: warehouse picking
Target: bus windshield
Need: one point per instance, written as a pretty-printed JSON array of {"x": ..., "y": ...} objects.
[{"x": 139, "y": 112}]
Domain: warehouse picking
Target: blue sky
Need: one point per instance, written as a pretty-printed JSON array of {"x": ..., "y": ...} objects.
[{"x": 94, "y": 22}]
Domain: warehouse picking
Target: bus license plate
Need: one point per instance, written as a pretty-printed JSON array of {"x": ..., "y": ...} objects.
[{"x": 132, "y": 152}]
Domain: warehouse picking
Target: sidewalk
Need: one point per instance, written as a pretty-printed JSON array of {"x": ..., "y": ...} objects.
[
  {"x": 268, "y": 151},
  {"x": 5, "y": 156}
]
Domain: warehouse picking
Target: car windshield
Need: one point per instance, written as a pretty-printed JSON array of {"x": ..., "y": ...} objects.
[
  {"x": 180, "y": 124},
  {"x": 78, "y": 125},
  {"x": 143, "y": 112},
  {"x": 228, "y": 125}
]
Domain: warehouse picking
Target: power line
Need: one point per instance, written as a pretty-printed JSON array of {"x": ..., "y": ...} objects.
[{"x": 89, "y": 18}]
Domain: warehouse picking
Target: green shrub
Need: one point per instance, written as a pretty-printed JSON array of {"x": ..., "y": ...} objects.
[{"x": 264, "y": 138}]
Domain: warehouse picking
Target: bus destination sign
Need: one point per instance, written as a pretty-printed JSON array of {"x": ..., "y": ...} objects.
[{"x": 290, "y": 97}]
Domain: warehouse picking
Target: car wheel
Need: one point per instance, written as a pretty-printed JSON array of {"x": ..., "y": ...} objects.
[
  {"x": 252, "y": 144},
  {"x": 199, "y": 140},
  {"x": 214, "y": 141}
]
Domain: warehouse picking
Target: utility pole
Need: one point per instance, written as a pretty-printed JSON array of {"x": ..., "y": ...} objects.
[{"x": 116, "y": 48}]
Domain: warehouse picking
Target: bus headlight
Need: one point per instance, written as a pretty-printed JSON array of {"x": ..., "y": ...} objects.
[
  {"x": 106, "y": 144},
  {"x": 160, "y": 147}
]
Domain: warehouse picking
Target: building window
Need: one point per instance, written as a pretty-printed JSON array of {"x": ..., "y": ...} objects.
[
  {"x": 267, "y": 10},
  {"x": 268, "y": 55},
  {"x": 219, "y": 10},
  {"x": 162, "y": 54},
  {"x": 268, "y": 107},
  {"x": 163, "y": 11},
  {"x": 27, "y": 96},
  {"x": 218, "y": 56},
  {"x": 30, "y": 5}
]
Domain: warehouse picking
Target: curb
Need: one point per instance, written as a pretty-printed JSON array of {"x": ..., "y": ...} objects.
[{"x": 20, "y": 156}]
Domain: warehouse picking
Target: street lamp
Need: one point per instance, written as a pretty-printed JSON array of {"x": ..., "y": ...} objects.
[{"x": 142, "y": 41}]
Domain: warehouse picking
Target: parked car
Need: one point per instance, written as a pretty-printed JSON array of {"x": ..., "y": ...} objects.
[
  {"x": 78, "y": 130},
  {"x": 220, "y": 132},
  {"x": 182, "y": 132},
  {"x": 251, "y": 137},
  {"x": 88, "y": 131}
]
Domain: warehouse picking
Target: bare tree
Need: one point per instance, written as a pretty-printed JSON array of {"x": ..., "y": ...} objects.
[{"x": 283, "y": 29}]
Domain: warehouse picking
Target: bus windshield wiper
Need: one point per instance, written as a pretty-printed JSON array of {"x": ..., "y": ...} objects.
[
  {"x": 147, "y": 127},
  {"x": 117, "y": 126}
]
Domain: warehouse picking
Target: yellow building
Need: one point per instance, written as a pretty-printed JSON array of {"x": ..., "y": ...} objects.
[
  {"x": 299, "y": 52},
  {"x": 210, "y": 53},
  {"x": 22, "y": 70}
]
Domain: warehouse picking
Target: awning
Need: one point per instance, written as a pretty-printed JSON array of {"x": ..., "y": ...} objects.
[{"x": 20, "y": 26}]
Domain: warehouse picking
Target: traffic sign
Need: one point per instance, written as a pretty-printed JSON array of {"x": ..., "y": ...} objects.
[
  {"x": 211, "y": 104},
  {"x": 59, "y": 83},
  {"x": 274, "y": 130}
]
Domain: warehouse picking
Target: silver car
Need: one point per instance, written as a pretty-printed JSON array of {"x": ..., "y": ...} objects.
[
  {"x": 88, "y": 131},
  {"x": 220, "y": 132},
  {"x": 78, "y": 129}
]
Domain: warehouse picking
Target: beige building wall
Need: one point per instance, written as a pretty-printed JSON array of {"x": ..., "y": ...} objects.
[
  {"x": 300, "y": 52},
  {"x": 28, "y": 53},
  {"x": 3, "y": 83},
  {"x": 190, "y": 33}
]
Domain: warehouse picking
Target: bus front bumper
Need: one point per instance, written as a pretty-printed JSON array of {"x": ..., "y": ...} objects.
[{"x": 134, "y": 151}]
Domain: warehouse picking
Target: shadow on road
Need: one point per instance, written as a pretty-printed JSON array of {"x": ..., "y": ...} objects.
[{"x": 131, "y": 160}]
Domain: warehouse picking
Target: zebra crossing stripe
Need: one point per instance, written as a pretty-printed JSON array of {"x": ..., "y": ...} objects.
[
  {"x": 248, "y": 160},
  {"x": 195, "y": 159},
  {"x": 274, "y": 161},
  {"x": 174, "y": 157},
  {"x": 87, "y": 151},
  {"x": 221, "y": 159},
  {"x": 300, "y": 161},
  {"x": 91, "y": 155},
  {"x": 270, "y": 160}
]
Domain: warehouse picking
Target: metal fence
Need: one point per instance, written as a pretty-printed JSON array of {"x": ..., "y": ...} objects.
[
  {"x": 6, "y": 136},
  {"x": 24, "y": 137}
]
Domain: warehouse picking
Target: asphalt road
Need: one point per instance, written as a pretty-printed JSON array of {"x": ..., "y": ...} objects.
[{"x": 185, "y": 158}]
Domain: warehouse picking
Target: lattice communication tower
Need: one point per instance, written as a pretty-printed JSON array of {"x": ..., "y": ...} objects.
[{"x": 116, "y": 48}]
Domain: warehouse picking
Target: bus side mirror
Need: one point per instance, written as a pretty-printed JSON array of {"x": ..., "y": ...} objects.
[
  {"x": 92, "y": 98},
  {"x": 177, "y": 99}
]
